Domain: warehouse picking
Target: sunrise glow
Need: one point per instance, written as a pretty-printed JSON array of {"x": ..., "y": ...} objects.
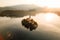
[{"x": 41, "y": 3}]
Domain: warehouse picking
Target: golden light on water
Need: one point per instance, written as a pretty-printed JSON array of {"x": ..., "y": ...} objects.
[
  {"x": 50, "y": 16},
  {"x": 47, "y": 17}
]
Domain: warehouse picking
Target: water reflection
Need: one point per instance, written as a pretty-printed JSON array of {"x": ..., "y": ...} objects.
[{"x": 12, "y": 29}]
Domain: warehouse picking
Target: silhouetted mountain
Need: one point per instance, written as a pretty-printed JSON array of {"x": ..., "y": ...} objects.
[
  {"x": 20, "y": 7},
  {"x": 23, "y": 10},
  {"x": 19, "y": 10}
]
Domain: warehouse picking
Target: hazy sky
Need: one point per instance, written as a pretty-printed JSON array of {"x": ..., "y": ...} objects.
[{"x": 49, "y": 3}]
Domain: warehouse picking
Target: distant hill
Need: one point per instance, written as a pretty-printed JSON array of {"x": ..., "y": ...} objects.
[
  {"x": 19, "y": 10},
  {"x": 23, "y": 10},
  {"x": 20, "y": 7}
]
